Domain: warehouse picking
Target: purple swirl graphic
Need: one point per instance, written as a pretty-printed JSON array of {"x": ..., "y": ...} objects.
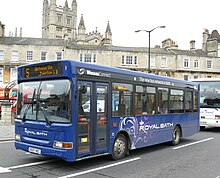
[{"x": 137, "y": 130}]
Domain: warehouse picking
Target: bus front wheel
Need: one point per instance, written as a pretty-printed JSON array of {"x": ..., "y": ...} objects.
[
  {"x": 176, "y": 136},
  {"x": 120, "y": 147}
]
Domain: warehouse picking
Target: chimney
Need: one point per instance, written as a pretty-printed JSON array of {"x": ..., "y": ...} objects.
[
  {"x": 169, "y": 44},
  {"x": 205, "y": 35},
  {"x": 166, "y": 43},
  {"x": 16, "y": 31},
  {"x": 192, "y": 45},
  {"x": 20, "y": 32}
]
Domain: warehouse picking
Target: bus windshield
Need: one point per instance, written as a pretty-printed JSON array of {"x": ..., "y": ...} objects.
[
  {"x": 47, "y": 100},
  {"x": 210, "y": 94}
]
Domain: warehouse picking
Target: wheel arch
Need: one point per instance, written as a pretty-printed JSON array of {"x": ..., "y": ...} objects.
[
  {"x": 181, "y": 131},
  {"x": 123, "y": 132}
]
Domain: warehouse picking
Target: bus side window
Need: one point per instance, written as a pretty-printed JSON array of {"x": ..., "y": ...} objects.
[
  {"x": 195, "y": 98},
  {"x": 121, "y": 109},
  {"x": 188, "y": 101},
  {"x": 121, "y": 99},
  {"x": 162, "y": 100},
  {"x": 151, "y": 100}
]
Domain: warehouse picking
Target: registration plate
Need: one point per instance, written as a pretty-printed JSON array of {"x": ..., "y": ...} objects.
[{"x": 34, "y": 150}]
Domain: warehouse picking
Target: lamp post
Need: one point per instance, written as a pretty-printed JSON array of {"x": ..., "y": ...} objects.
[{"x": 149, "y": 31}]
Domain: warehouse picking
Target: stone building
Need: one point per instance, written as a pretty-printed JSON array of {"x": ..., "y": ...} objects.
[
  {"x": 58, "y": 21},
  {"x": 61, "y": 23},
  {"x": 60, "y": 40}
]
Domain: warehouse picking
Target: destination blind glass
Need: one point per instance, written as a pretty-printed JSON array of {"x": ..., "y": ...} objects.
[{"x": 42, "y": 70}]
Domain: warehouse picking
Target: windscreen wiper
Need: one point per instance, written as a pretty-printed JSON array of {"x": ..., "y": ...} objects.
[
  {"x": 44, "y": 114},
  {"x": 32, "y": 100},
  {"x": 39, "y": 106},
  {"x": 37, "y": 102},
  {"x": 25, "y": 113}
]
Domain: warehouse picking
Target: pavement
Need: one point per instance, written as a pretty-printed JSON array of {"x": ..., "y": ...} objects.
[{"x": 6, "y": 132}]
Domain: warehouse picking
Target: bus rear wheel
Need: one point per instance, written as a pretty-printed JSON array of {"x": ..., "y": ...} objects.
[
  {"x": 176, "y": 136},
  {"x": 120, "y": 147}
]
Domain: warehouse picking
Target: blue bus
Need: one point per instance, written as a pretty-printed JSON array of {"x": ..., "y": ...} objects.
[{"x": 74, "y": 110}]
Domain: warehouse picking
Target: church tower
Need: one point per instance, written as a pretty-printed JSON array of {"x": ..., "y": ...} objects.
[
  {"x": 107, "y": 40},
  {"x": 59, "y": 22}
]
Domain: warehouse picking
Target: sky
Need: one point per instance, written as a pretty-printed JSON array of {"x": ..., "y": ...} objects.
[{"x": 185, "y": 20}]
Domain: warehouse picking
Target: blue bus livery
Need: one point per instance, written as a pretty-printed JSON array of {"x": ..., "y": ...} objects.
[{"x": 74, "y": 110}]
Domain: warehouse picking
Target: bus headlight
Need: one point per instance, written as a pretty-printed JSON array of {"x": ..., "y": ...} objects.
[
  {"x": 17, "y": 137},
  {"x": 65, "y": 145}
]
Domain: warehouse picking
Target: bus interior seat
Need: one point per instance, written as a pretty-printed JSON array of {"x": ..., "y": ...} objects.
[{"x": 81, "y": 111}]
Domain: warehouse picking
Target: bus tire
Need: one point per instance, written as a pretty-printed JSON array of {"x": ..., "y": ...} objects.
[
  {"x": 176, "y": 136},
  {"x": 120, "y": 147}
]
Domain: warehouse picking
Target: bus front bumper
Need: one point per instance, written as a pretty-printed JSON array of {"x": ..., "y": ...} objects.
[
  {"x": 210, "y": 122},
  {"x": 65, "y": 154}
]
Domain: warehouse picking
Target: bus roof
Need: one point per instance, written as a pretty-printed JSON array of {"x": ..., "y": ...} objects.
[
  {"x": 128, "y": 72},
  {"x": 116, "y": 70}
]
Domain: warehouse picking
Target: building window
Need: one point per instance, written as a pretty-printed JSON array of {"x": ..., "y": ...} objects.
[
  {"x": 81, "y": 58},
  {"x": 59, "y": 55},
  {"x": 196, "y": 63},
  {"x": 89, "y": 58},
  {"x": 163, "y": 62},
  {"x": 186, "y": 63},
  {"x": 129, "y": 59},
  {"x": 29, "y": 55},
  {"x": 13, "y": 74},
  {"x": 43, "y": 56},
  {"x": 123, "y": 59},
  {"x": 186, "y": 77},
  {"x": 1, "y": 75},
  {"x": 14, "y": 56},
  {"x": 209, "y": 64},
  {"x": 196, "y": 77},
  {"x": 59, "y": 18},
  {"x": 1, "y": 54},
  {"x": 94, "y": 58},
  {"x": 135, "y": 60},
  {"x": 68, "y": 21},
  {"x": 152, "y": 62},
  {"x": 59, "y": 29},
  {"x": 58, "y": 37}
]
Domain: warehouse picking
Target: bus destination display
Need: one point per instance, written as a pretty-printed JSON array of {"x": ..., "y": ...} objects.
[{"x": 42, "y": 70}]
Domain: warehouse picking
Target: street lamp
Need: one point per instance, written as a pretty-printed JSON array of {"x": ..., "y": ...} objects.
[{"x": 149, "y": 31}]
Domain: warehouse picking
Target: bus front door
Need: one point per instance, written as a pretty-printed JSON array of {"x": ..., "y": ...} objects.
[{"x": 92, "y": 118}]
